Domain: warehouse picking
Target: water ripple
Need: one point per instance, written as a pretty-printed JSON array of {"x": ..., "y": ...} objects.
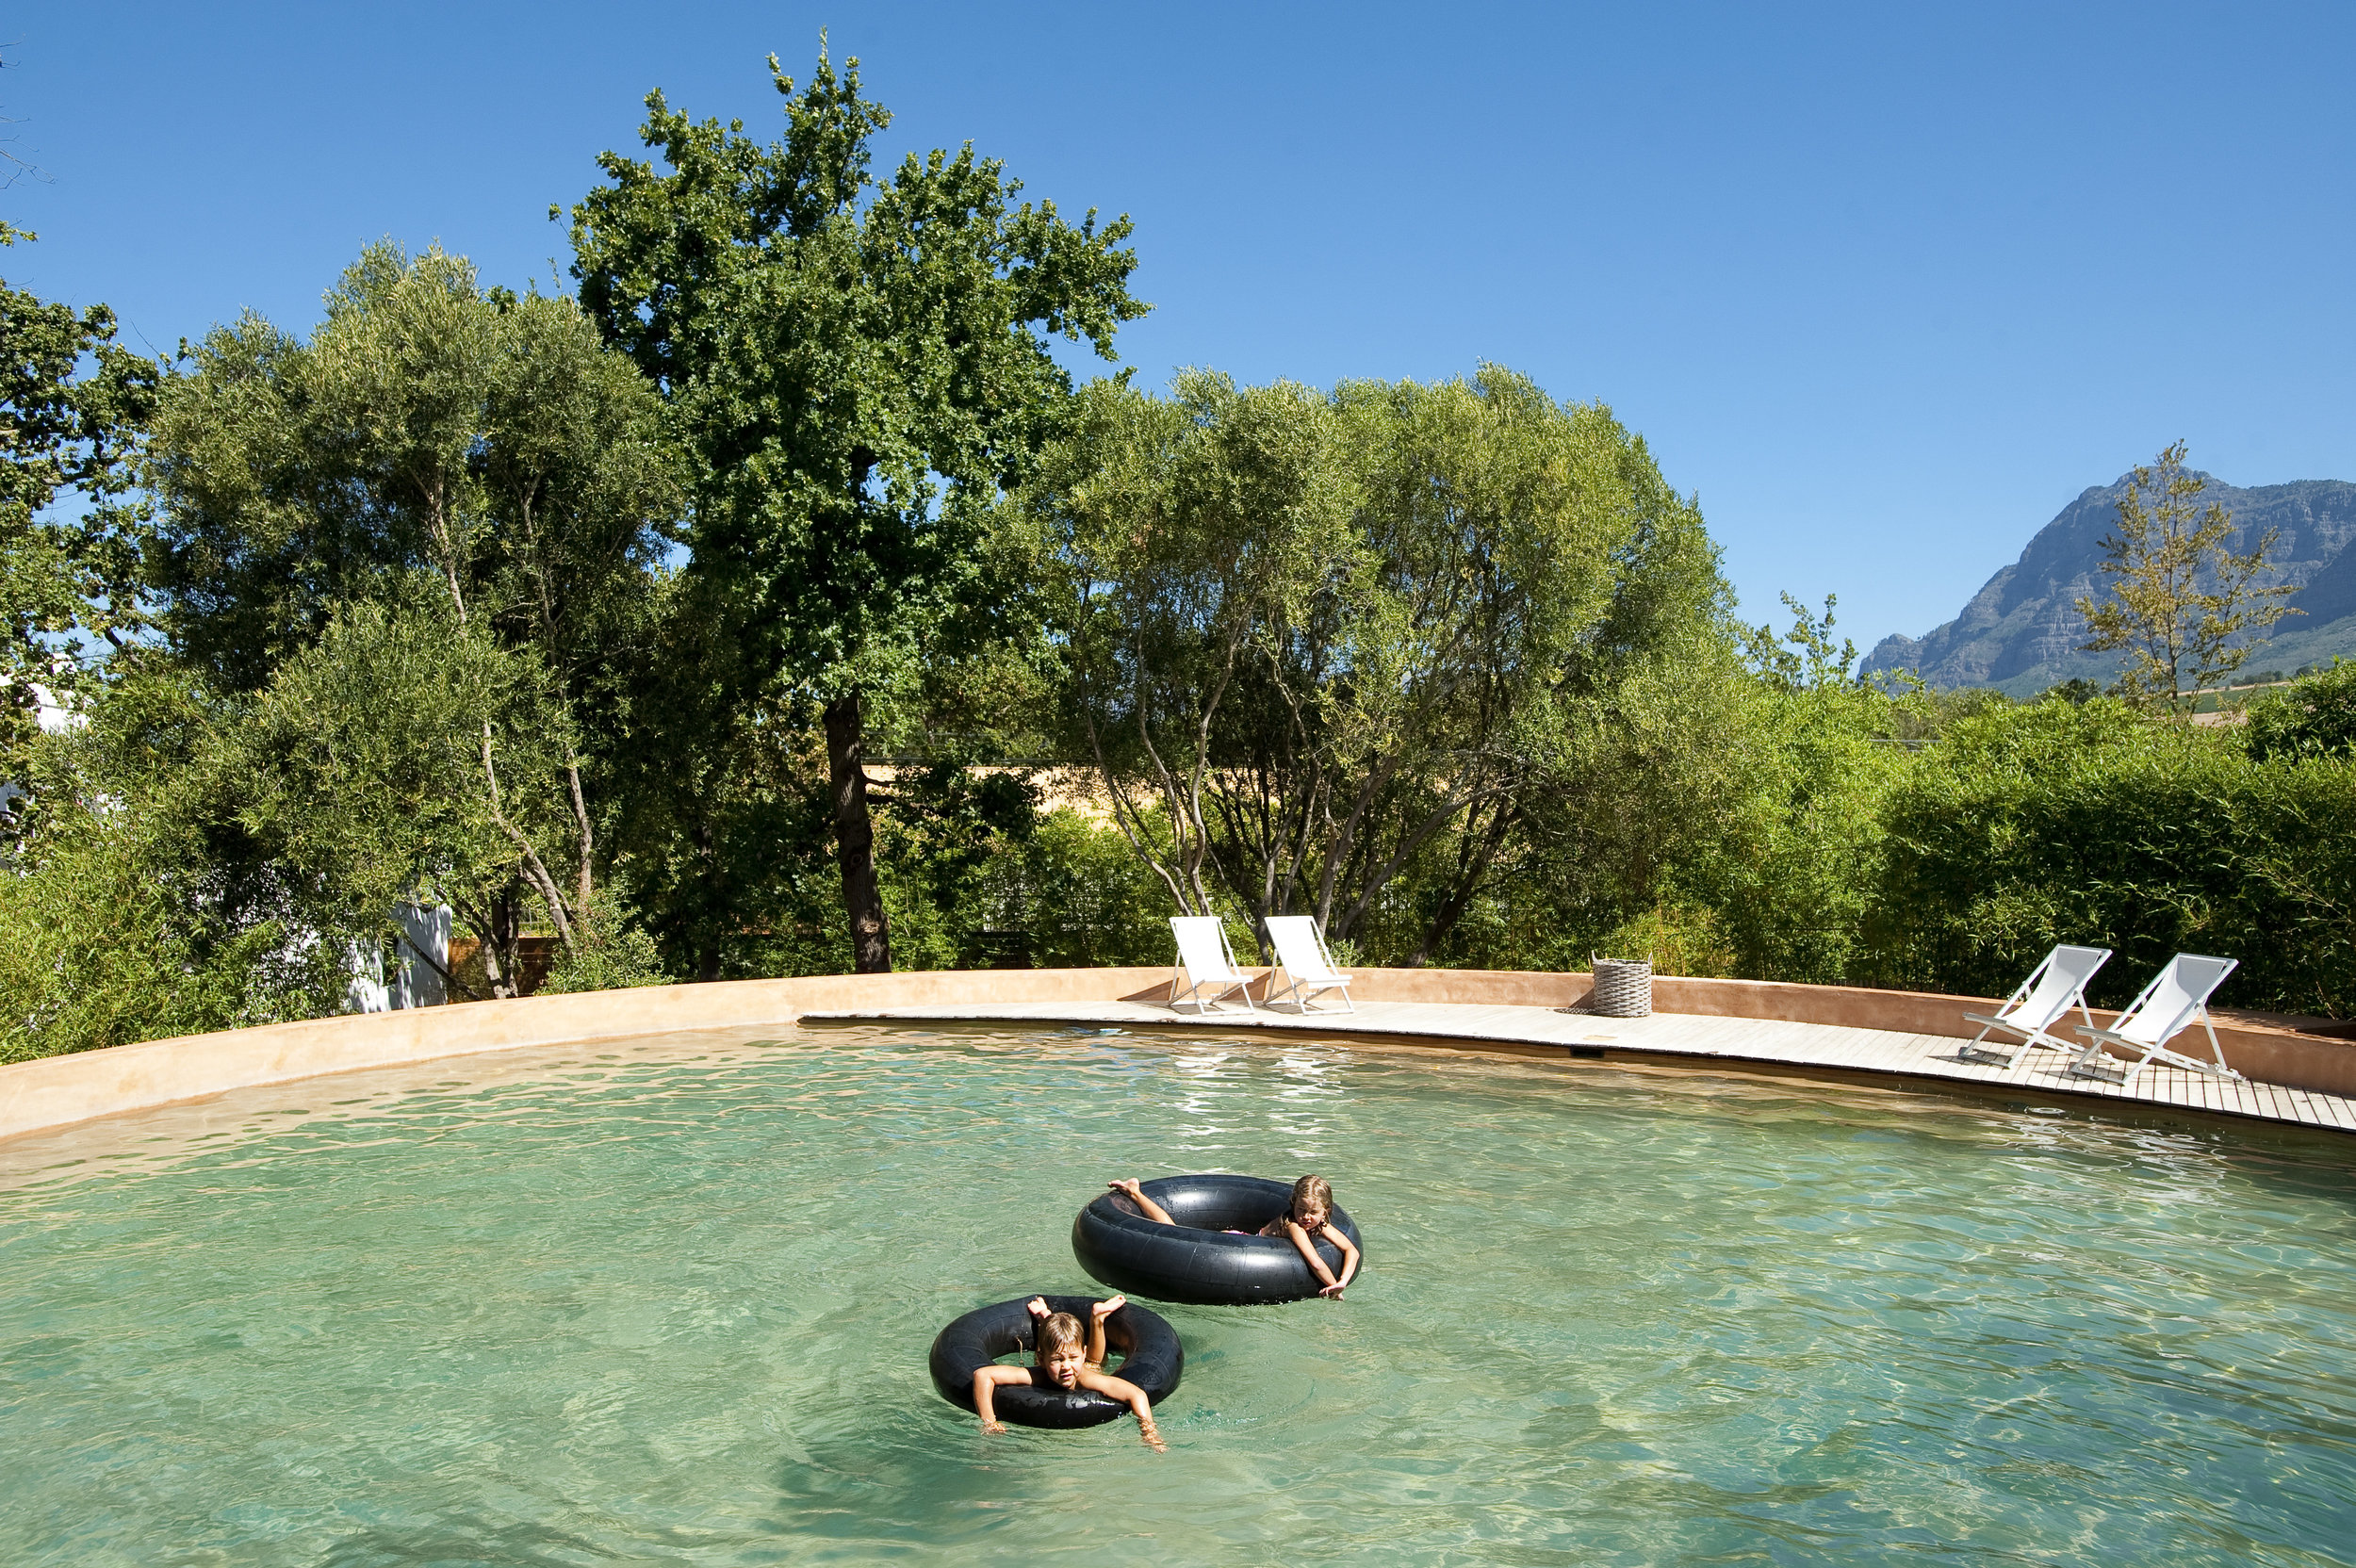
[{"x": 668, "y": 1303}]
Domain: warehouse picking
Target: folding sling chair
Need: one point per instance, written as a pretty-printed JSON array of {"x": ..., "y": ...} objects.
[
  {"x": 1308, "y": 967},
  {"x": 2177, "y": 996},
  {"x": 2051, "y": 991},
  {"x": 1206, "y": 961}
]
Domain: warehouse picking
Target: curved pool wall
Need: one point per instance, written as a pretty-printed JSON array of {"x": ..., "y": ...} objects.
[
  {"x": 59, "y": 1092},
  {"x": 668, "y": 1301}
]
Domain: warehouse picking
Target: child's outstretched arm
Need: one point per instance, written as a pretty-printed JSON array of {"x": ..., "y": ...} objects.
[
  {"x": 1308, "y": 1249},
  {"x": 1131, "y": 1395},
  {"x": 1097, "y": 1314},
  {"x": 1146, "y": 1206},
  {"x": 986, "y": 1379},
  {"x": 1350, "y": 1261}
]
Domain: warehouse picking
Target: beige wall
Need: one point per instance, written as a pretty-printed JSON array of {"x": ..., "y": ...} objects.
[{"x": 59, "y": 1091}]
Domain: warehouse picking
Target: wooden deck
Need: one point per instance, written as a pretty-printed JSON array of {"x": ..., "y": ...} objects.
[{"x": 1929, "y": 1057}]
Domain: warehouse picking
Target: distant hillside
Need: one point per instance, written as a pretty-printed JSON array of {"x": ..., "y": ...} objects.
[{"x": 2022, "y": 631}]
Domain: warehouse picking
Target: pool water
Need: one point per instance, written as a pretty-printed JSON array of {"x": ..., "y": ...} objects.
[{"x": 671, "y": 1304}]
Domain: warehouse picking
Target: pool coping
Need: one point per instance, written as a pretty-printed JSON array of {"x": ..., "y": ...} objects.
[{"x": 60, "y": 1091}]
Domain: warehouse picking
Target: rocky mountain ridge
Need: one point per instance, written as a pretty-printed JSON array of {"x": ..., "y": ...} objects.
[{"x": 2021, "y": 632}]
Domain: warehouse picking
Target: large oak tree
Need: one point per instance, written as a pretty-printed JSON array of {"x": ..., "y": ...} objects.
[{"x": 857, "y": 366}]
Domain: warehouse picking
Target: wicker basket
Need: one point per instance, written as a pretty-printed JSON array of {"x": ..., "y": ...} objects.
[{"x": 1622, "y": 987}]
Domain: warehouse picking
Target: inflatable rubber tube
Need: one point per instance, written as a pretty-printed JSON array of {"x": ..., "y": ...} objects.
[
  {"x": 1197, "y": 1260},
  {"x": 1151, "y": 1357}
]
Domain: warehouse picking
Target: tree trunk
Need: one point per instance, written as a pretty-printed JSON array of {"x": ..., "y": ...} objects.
[
  {"x": 855, "y": 838},
  {"x": 1474, "y": 856},
  {"x": 707, "y": 948},
  {"x": 502, "y": 963}
]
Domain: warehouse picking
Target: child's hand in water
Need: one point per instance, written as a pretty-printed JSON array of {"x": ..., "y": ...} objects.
[
  {"x": 1104, "y": 1309},
  {"x": 1153, "y": 1435},
  {"x": 1335, "y": 1291},
  {"x": 995, "y": 1428}
]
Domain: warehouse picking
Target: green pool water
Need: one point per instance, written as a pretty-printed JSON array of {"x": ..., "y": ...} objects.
[{"x": 671, "y": 1304}]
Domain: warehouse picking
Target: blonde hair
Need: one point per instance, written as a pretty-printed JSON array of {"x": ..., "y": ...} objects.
[
  {"x": 1308, "y": 1193},
  {"x": 1058, "y": 1331}
]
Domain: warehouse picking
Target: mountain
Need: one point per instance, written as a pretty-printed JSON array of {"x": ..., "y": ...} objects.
[{"x": 2022, "y": 631}]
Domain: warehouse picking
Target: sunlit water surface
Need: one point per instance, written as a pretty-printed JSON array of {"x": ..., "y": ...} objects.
[{"x": 671, "y": 1305}]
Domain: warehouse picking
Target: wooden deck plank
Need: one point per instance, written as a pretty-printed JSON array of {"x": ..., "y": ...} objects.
[{"x": 1921, "y": 1057}]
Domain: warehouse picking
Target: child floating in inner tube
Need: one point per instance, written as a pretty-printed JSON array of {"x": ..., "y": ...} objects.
[
  {"x": 1304, "y": 1222},
  {"x": 1062, "y": 1362}
]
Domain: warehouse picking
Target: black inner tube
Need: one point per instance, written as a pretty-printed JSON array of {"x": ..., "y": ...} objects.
[
  {"x": 1197, "y": 1260},
  {"x": 1151, "y": 1357}
]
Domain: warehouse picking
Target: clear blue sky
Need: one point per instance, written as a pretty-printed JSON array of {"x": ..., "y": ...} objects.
[{"x": 1886, "y": 286}]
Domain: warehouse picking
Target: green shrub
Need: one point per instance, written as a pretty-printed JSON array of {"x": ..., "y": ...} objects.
[
  {"x": 105, "y": 942},
  {"x": 2084, "y": 823},
  {"x": 2314, "y": 716},
  {"x": 1083, "y": 897},
  {"x": 609, "y": 952}
]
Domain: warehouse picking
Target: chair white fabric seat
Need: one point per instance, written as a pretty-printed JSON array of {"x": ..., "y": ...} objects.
[
  {"x": 2177, "y": 998},
  {"x": 2042, "y": 1000},
  {"x": 1205, "y": 959},
  {"x": 1308, "y": 967}
]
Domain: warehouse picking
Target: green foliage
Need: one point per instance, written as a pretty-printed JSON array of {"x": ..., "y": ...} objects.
[
  {"x": 721, "y": 805},
  {"x": 1674, "y": 939},
  {"x": 946, "y": 824},
  {"x": 364, "y": 762},
  {"x": 2182, "y": 604},
  {"x": 1789, "y": 870},
  {"x": 1333, "y": 653},
  {"x": 1186, "y": 535},
  {"x": 2084, "y": 824},
  {"x": 119, "y": 923},
  {"x": 836, "y": 349},
  {"x": 1082, "y": 898},
  {"x": 982, "y": 877},
  {"x": 426, "y": 538},
  {"x": 2314, "y": 716},
  {"x": 74, "y": 406},
  {"x": 608, "y": 953},
  {"x": 855, "y": 366}
]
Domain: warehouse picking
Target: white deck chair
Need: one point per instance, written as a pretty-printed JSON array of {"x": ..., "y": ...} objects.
[
  {"x": 2051, "y": 991},
  {"x": 1208, "y": 961},
  {"x": 1308, "y": 967},
  {"x": 2176, "y": 996}
]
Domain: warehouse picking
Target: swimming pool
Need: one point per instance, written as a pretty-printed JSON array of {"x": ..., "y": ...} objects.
[{"x": 670, "y": 1304}]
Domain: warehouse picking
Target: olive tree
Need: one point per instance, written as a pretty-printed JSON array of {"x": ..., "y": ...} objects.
[
  {"x": 1338, "y": 649},
  {"x": 2182, "y": 605},
  {"x": 481, "y": 468}
]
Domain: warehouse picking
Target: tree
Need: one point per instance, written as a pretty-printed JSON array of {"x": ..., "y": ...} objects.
[
  {"x": 483, "y": 470},
  {"x": 723, "y": 813},
  {"x": 857, "y": 366},
  {"x": 2182, "y": 603},
  {"x": 1330, "y": 653},
  {"x": 1534, "y": 573},
  {"x": 73, "y": 410},
  {"x": 1187, "y": 533},
  {"x": 132, "y": 906}
]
